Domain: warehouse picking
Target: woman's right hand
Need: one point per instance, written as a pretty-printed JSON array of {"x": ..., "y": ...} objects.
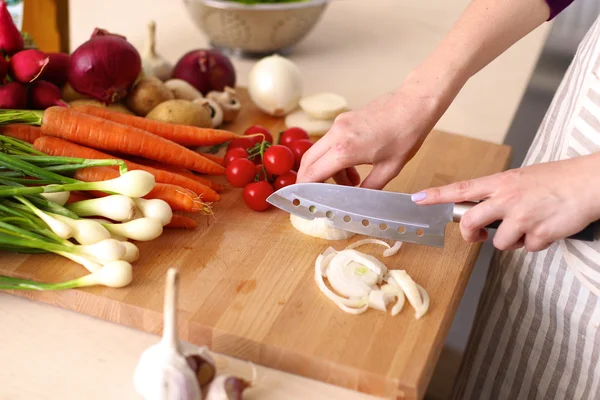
[{"x": 386, "y": 133}]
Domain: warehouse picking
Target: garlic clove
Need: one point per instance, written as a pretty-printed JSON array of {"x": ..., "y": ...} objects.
[
  {"x": 203, "y": 366},
  {"x": 163, "y": 372},
  {"x": 154, "y": 64},
  {"x": 227, "y": 387}
]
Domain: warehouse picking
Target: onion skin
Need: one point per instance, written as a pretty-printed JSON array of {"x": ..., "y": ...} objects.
[
  {"x": 44, "y": 94},
  {"x": 11, "y": 40},
  {"x": 105, "y": 67},
  {"x": 3, "y": 68},
  {"x": 56, "y": 70},
  {"x": 13, "y": 95},
  {"x": 206, "y": 70},
  {"x": 26, "y": 66}
]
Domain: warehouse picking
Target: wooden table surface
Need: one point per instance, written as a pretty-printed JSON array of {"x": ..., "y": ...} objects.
[{"x": 247, "y": 286}]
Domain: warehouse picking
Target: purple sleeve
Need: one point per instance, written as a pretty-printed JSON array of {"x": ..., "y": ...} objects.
[{"x": 557, "y": 6}]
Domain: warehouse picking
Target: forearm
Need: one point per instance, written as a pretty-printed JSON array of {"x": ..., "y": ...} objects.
[{"x": 485, "y": 30}]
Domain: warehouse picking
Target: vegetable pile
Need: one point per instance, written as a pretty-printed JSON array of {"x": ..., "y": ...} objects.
[
  {"x": 260, "y": 167},
  {"x": 39, "y": 214}
]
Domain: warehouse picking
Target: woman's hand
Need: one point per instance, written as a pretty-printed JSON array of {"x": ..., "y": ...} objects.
[
  {"x": 386, "y": 133},
  {"x": 538, "y": 204}
]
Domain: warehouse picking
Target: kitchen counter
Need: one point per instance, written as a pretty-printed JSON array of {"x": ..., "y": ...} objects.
[{"x": 356, "y": 50}]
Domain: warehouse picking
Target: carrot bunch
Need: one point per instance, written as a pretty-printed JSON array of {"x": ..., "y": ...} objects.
[{"x": 156, "y": 147}]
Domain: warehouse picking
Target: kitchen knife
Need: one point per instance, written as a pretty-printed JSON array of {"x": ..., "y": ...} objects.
[{"x": 377, "y": 213}]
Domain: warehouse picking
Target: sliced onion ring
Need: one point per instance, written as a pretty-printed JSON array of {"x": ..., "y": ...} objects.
[{"x": 387, "y": 253}]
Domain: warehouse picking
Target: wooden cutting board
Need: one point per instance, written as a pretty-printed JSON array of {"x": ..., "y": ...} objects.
[{"x": 247, "y": 286}]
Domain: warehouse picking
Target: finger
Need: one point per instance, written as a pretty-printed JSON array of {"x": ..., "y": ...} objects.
[
  {"x": 379, "y": 176},
  {"x": 353, "y": 175},
  {"x": 324, "y": 168},
  {"x": 535, "y": 244},
  {"x": 342, "y": 178},
  {"x": 507, "y": 236},
  {"x": 469, "y": 190},
  {"x": 478, "y": 217},
  {"x": 312, "y": 155},
  {"x": 520, "y": 243}
]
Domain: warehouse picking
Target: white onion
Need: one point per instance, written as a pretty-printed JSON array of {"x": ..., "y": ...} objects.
[
  {"x": 155, "y": 208},
  {"x": 275, "y": 85},
  {"x": 320, "y": 228},
  {"x": 416, "y": 294},
  {"x": 115, "y": 274}
]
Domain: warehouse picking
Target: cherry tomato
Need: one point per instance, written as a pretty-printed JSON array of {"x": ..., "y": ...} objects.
[
  {"x": 255, "y": 195},
  {"x": 236, "y": 152},
  {"x": 285, "y": 180},
  {"x": 278, "y": 160},
  {"x": 243, "y": 142},
  {"x": 240, "y": 172},
  {"x": 253, "y": 130},
  {"x": 298, "y": 148},
  {"x": 291, "y": 135}
]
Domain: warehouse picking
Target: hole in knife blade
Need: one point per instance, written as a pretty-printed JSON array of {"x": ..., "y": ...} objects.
[
  {"x": 383, "y": 227},
  {"x": 312, "y": 209},
  {"x": 420, "y": 232},
  {"x": 329, "y": 214},
  {"x": 365, "y": 222},
  {"x": 296, "y": 202},
  {"x": 347, "y": 218},
  {"x": 401, "y": 230}
]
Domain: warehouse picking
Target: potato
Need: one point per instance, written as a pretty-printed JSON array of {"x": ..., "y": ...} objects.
[
  {"x": 147, "y": 94},
  {"x": 182, "y": 112},
  {"x": 183, "y": 90},
  {"x": 68, "y": 94},
  {"x": 118, "y": 107}
]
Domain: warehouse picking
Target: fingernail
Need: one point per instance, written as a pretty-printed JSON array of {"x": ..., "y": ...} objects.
[{"x": 418, "y": 196}]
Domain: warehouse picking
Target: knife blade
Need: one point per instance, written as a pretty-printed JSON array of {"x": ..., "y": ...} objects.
[{"x": 377, "y": 213}]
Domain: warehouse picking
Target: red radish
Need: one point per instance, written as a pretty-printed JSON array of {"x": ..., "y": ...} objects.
[
  {"x": 105, "y": 67},
  {"x": 3, "y": 68},
  {"x": 13, "y": 95},
  {"x": 56, "y": 70},
  {"x": 11, "y": 40},
  {"x": 27, "y": 65},
  {"x": 44, "y": 94},
  {"x": 206, "y": 70}
]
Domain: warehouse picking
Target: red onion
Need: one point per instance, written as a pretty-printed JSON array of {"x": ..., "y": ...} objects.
[
  {"x": 13, "y": 95},
  {"x": 105, "y": 67},
  {"x": 44, "y": 94},
  {"x": 11, "y": 40},
  {"x": 3, "y": 68},
  {"x": 206, "y": 70},
  {"x": 56, "y": 70},
  {"x": 27, "y": 65}
]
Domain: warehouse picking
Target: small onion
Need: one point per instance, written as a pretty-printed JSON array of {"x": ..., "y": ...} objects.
[
  {"x": 105, "y": 67},
  {"x": 275, "y": 85},
  {"x": 206, "y": 70}
]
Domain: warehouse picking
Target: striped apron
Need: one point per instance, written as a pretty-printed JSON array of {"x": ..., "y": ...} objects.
[{"x": 536, "y": 333}]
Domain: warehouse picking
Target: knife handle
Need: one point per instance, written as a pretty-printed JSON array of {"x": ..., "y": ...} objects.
[{"x": 586, "y": 235}]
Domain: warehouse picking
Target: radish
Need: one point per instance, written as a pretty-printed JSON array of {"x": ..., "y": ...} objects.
[
  {"x": 13, "y": 96},
  {"x": 57, "y": 68},
  {"x": 44, "y": 94},
  {"x": 11, "y": 40},
  {"x": 3, "y": 68},
  {"x": 27, "y": 65}
]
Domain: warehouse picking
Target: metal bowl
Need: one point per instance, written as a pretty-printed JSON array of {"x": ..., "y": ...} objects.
[{"x": 255, "y": 30}]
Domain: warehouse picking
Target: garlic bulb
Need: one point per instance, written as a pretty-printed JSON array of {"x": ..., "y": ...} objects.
[
  {"x": 163, "y": 372},
  {"x": 319, "y": 227},
  {"x": 275, "y": 85},
  {"x": 154, "y": 64}
]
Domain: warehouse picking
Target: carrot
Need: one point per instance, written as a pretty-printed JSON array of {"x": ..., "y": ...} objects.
[
  {"x": 180, "y": 199},
  {"x": 103, "y": 134},
  {"x": 180, "y": 171},
  {"x": 24, "y": 132},
  {"x": 77, "y": 196},
  {"x": 181, "y": 221},
  {"x": 58, "y": 147},
  {"x": 218, "y": 159},
  {"x": 182, "y": 134}
]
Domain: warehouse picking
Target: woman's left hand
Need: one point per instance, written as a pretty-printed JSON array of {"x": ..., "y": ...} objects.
[{"x": 537, "y": 204}]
